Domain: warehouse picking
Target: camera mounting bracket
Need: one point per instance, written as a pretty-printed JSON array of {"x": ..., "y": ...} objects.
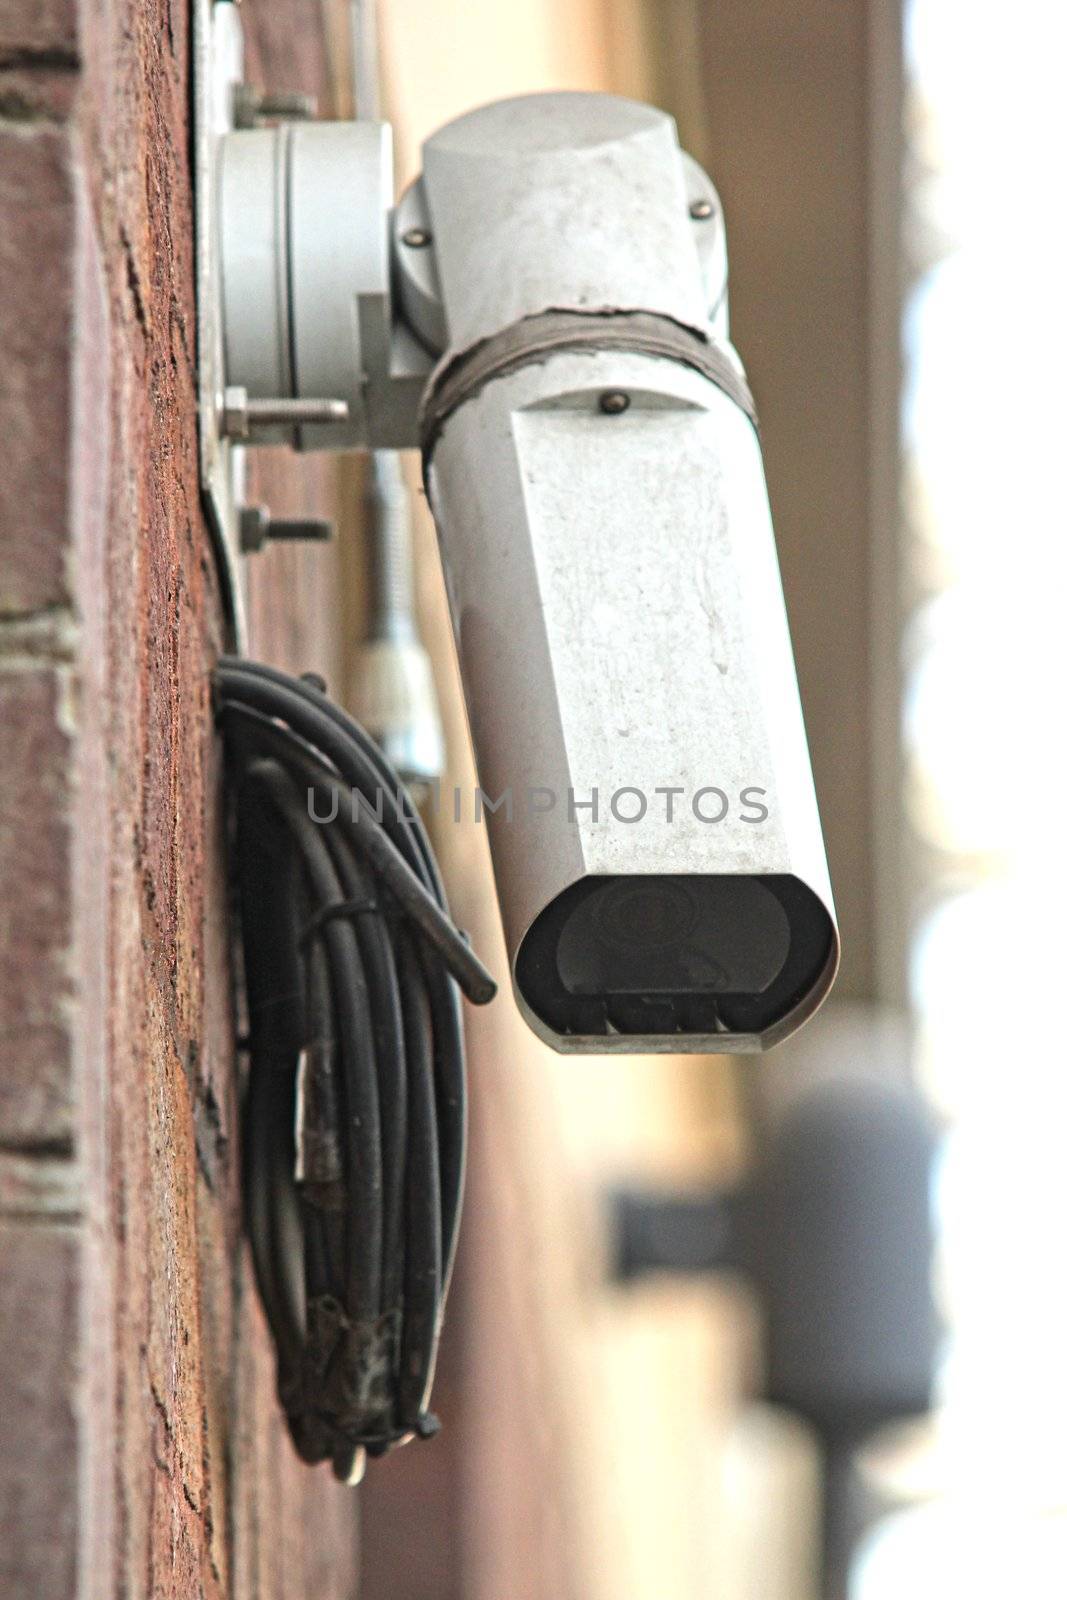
[{"x": 319, "y": 304}]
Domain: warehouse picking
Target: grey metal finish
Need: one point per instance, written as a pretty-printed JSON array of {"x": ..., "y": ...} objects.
[
  {"x": 620, "y": 625},
  {"x": 340, "y": 186},
  {"x": 305, "y": 266},
  {"x": 255, "y": 285},
  {"x": 709, "y": 234},
  {"x": 252, "y": 420},
  {"x": 599, "y": 496},
  {"x": 392, "y": 690},
  {"x": 557, "y": 200},
  {"x": 418, "y": 287},
  {"x": 611, "y": 567},
  {"x": 419, "y": 297}
]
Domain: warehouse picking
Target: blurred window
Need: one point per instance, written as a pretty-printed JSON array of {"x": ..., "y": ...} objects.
[{"x": 984, "y": 464}]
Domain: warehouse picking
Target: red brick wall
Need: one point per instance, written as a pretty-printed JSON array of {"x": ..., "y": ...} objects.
[{"x": 141, "y": 1452}]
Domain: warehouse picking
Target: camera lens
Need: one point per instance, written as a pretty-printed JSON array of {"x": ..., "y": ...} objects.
[
  {"x": 644, "y": 913},
  {"x": 676, "y": 935},
  {"x": 661, "y": 956}
]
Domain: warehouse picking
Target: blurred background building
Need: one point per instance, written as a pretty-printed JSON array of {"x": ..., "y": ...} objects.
[{"x": 888, "y": 170}]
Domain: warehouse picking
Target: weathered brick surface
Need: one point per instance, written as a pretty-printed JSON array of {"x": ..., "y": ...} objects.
[
  {"x": 45, "y": 29},
  {"x": 36, "y": 248},
  {"x": 35, "y": 756},
  {"x": 137, "y": 1375},
  {"x": 38, "y": 1358}
]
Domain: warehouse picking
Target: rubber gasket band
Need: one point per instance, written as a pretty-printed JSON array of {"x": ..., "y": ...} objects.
[{"x": 551, "y": 333}]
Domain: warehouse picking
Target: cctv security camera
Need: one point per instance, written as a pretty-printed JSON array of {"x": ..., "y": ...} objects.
[{"x": 544, "y": 315}]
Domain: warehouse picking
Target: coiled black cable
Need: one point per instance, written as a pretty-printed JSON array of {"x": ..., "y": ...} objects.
[{"x": 355, "y": 1110}]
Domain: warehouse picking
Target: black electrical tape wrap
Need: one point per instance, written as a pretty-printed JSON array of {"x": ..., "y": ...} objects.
[{"x": 355, "y": 1112}]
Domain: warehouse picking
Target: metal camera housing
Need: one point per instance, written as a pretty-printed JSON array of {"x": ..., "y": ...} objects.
[{"x": 544, "y": 315}]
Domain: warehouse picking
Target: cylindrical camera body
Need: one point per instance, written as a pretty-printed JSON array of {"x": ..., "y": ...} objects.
[{"x": 595, "y": 473}]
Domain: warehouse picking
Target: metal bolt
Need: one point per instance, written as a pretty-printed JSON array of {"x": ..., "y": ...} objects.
[
  {"x": 233, "y": 414},
  {"x": 701, "y": 210},
  {"x": 304, "y": 529},
  {"x": 252, "y": 524},
  {"x": 295, "y": 413},
  {"x": 252, "y": 106},
  {"x": 613, "y": 402},
  {"x": 240, "y": 414},
  {"x": 256, "y": 526},
  {"x": 417, "y": 238},
  {"x": 291, "y": 104}
]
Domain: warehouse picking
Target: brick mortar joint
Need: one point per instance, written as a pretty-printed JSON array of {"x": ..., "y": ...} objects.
[
  {"x": 40, "y": 1185},
  {"x": 45, "y": 58},
  {"x": 30, "y": 639}
]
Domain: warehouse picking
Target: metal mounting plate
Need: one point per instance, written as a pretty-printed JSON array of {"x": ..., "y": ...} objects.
[{"x": 218, "y": 68}]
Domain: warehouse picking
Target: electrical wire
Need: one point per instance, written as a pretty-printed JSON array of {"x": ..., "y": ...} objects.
[{"x": 355, "y": 1107}]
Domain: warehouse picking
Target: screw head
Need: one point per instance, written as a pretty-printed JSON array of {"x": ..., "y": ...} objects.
[
  {"x": 233, "y": 413},
  {"x": 417, "y": 238},
  {"x": 613, "y": 402},
  {"x": 701, "y": 210},
  {"x": 253, "y": 528}
]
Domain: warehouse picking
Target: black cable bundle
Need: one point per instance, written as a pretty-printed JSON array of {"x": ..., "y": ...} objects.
[{"x": 355, "y": 1115}]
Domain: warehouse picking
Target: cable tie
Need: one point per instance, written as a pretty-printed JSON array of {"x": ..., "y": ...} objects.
[{"x": 335, "y": 910}]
